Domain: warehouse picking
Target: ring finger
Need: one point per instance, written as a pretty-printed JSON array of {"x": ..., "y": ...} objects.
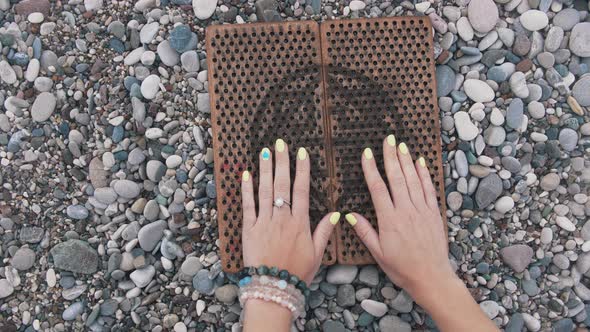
[{"x": 282, "y": 186}]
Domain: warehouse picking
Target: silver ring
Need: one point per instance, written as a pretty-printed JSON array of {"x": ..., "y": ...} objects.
[{"x": 279, "y": 201}]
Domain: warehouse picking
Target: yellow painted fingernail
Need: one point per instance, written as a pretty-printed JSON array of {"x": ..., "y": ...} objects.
[
  {"x": 422, "y": 162},
  {"x": 368, "y": 153},
  {"x": 391, "y": 140},
  {"x": 351, "y": 219},
  {"x": 245, "y": 176},
  {"x": 280, "y": 145},
  {"x": 334, "y": 218},
  {"x": 403, "y": 148},
  {"x": 265, "y": 154},
  {"x": 302, "y": 154}
]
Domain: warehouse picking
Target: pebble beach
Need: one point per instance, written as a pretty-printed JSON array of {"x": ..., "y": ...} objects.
[{"x": 107, "y": 193}]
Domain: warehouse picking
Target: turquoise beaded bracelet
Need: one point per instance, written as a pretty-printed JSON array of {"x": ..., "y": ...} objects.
[{"x": 245, "y": 275}]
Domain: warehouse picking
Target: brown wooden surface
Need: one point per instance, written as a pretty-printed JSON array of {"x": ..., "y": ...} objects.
[{"x": 333, "y": 88}]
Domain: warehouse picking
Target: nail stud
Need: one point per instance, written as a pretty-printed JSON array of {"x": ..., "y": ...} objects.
[
  {"x": 351, "y": 219},
  {"x": 334, "y": 218},
  {"x": 265, "y": 154}
]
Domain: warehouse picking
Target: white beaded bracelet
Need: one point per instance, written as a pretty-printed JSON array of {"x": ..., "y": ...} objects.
[{"x": 275, "y": 290}]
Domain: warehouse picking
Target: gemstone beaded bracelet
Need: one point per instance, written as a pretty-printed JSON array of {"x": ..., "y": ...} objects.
[{"x": 263, "y": 270}]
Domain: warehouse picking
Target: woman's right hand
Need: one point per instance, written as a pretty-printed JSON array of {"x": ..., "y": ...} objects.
[{"x": 411, "y": 246}]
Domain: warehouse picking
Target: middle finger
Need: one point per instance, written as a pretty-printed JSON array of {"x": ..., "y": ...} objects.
[{"x": 282, "y": 186}]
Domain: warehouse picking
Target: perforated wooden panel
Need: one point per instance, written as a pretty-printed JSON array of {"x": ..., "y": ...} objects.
[
  {"x": 333, "y": 88},
  {"x": 264, "y": 83},
  {"x": 379, "y": 78}
]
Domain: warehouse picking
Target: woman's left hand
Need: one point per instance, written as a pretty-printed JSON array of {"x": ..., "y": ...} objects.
[{"x": 281, "y": 236}]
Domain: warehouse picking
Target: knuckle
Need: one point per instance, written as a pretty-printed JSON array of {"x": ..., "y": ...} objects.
[
  {"x": 265, "y": 193},
  {"x": 282, "y": 188},
  {"x": 398, "y": 181},
  {"x": 300, "y": 192},
  {"x": 377, "y": 187},
  {"x": 363, "y": 233}
]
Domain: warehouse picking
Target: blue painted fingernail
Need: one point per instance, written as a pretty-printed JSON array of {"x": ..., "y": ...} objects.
[{"x": 265, "y": 154}]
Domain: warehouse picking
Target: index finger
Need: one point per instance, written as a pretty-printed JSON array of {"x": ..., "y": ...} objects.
[{"x": 379, "y": 192}]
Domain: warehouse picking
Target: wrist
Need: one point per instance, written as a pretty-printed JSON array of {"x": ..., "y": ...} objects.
[
  {"x": 257, "y": 314},
  {"x": 436, "y": 296},
  {"x": 428, "y": 293},
  {"x": 253, "y": 306}
]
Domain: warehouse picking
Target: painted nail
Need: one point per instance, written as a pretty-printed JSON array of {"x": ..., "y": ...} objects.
[
  {"x": 403, "y": 148},
  {"x": 422, "y": 162},
  {"x": 368, "y": 154},
  {"x": 280, "y": 145},
  {"x": 245, "y": 176},
  {"x": 265, "y": 154},
  {"x": 351, "y": 219},
  {"x": 334, "y": 218},
  {"x": 302, "y": 154},
  {"x": 391, "y": 140}
]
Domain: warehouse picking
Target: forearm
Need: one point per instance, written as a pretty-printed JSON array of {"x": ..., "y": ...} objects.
[
  {"x": 453, "y": 309},
  {"x": 265, "y": 316}
]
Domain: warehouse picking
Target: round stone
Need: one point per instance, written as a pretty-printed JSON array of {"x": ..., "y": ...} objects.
[
  {"x": 142, "y": 277},
  {"x": 504, "y": 204},
  {"x": 43, "y": 107},
  {"x": 550, "y": 182},
  {"x": 546, "y": 235},
  {"x": 127, "y": 188},
  {"x": 341, "y": 274},
  {"x": 204, "y": 8},
  {"x": 148, "y": 32},
  {"x": 568, "y": 138},
  {"x": 191, "y": 266},
  {"x": 167, "y": 54},
  {"x": 6, "y": 288},
  {"x": 150, "y": 86},
  {"x": 78, "y": 212},
  {"x": 567, "y": 18},
  {"x": 445, "y": 80},
  {"x": 580, "y": 39},
  {"x": 478, "y": 91},
  {"x": 373, "y": 307},
  {"x": 534, "y": 20},
  {"x": 23, "y": 259},
  {"x": 581, "y": 90},
  {"x": 483, "y": 15},
  {"x": 536, "y": 110},
  {"x": 35, "y": 18},
  {"x": 180, "y": 38},
  {"x": 73, "y": 311},
  {"x": 490, "y": 308},
  {"x": 494, "y": 135},
  {"x": 190, "y": 61},
  {"x": 517, "y": 256},
  {"x": 202, "y": 283}
]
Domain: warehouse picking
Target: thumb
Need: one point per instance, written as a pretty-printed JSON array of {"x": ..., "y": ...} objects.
[
  {"x": 366, "y": 233},
  {"x": 323, "y": 232}
]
